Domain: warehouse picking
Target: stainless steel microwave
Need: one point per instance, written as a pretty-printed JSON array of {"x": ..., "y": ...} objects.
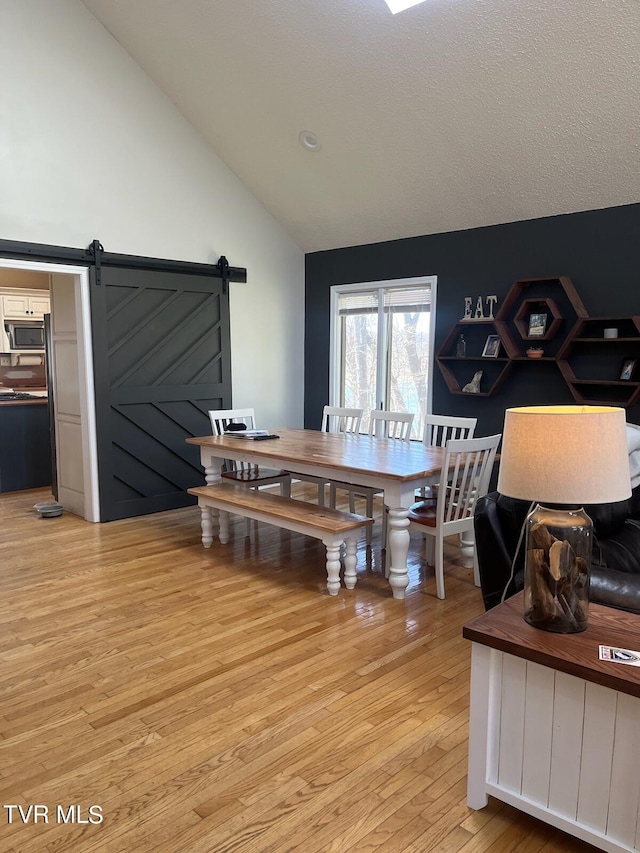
[{"x": 27, "y": 335}]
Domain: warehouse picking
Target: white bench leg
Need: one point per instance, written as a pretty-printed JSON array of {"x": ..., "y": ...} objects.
[
  {"x": 206, "y": 522},
  {"x": 333, "y": 567},
  {"x": 350, "y": 562}
]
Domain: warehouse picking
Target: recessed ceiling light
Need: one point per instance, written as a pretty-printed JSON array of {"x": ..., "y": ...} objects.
[
  {"x": 401, "y": 5},
  {"x": 309, "y": 139}
]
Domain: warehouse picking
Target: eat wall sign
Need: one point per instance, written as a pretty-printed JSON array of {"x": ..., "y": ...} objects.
[{"x": 477, "y": 313}]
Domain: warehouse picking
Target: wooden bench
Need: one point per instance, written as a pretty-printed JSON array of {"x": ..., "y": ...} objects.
[{"x": 331, "y": 526}]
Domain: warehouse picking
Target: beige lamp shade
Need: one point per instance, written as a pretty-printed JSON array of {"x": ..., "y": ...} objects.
[{"x": 565, "y": 455}]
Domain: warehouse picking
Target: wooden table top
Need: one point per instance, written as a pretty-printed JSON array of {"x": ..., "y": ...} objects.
[
  {"x": 503, "y": 628},
  {"x": 391, "y": 459}
]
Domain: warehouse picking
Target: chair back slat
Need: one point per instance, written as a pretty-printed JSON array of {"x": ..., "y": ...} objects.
[
  {"x": 385, "y": 424},
  {"x": 340, "y": 419}
]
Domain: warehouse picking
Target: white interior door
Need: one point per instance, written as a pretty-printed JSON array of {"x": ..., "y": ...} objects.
[{"x": 75, "y": 473}]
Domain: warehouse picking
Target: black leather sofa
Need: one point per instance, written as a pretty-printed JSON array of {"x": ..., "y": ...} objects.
[{"x": 615, "y": 567}]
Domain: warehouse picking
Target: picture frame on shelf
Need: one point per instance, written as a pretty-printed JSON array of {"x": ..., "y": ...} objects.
[
  {"x": 627, "y": 369},
  {"x": 491, "y": 346},
  {"x": 537, "y": 325}
]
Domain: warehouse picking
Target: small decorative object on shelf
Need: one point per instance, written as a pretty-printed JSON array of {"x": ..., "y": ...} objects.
[
  {"x": 610, "y": 333},
  {"x": 491, "y": 347},
  {"x": 537, "y": 325},
  {"x": 628, "y": 369},
  {"x": 473, "y": 387},
  {"x": 461, "y": 347},
  {"x": 535, "y": 352}
]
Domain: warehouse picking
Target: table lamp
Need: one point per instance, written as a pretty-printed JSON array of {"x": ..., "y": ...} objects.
[{"x": 562, "y": 457}]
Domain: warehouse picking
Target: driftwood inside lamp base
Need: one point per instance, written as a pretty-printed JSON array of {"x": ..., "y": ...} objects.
[{"x": 556, "y": 580}]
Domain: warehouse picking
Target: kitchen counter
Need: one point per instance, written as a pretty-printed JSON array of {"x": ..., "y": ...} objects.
[
  {"x": 25, "y": 444},
  {"x": 36, "y": 396},
  {"x": 34, "y": 401}
]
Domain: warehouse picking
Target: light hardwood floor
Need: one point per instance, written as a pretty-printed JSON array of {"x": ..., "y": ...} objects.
[{"x": 222, "y": 701}]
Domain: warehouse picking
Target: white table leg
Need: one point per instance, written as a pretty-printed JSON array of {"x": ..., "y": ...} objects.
[
  {"x": 212, "y": 474},
  {"x": 398, "y": 545},
  {"x": 467, "y": 546},
  {"x": 350, "y": 562}
]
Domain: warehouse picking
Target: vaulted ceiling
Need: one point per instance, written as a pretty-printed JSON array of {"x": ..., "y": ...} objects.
[{"x": 450, "y": 115}]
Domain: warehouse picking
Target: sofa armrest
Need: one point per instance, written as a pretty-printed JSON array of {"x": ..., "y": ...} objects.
[
  {"x": 494, "y": 561},
  {"x": 615, "y": 589}
]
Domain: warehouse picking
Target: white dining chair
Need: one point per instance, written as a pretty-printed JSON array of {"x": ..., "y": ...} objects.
[
  {"x": 334, "y": 419},
  {"x": 246, "y": 473},
  {"x": 465, "y": 477},
  {"x": 341, "y": 419},
  {"x": 437, "y": 431},
  {"x": 384, "y": 425}
]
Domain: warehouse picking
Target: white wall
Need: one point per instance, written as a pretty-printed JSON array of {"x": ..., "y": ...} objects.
[{"x": 90, "y": 148}]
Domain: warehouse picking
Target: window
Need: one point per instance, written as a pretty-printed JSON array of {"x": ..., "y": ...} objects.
[{"x": 382, "y": 347}]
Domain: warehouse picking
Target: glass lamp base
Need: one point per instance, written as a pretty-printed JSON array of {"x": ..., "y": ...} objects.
[{"x": 558, "y": 562}]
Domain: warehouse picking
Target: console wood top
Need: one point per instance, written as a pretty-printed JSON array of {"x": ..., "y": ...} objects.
[{"x": 503, "y": 628}]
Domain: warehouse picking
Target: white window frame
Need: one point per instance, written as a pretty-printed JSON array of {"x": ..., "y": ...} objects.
[{"x": 334, "y": 340}]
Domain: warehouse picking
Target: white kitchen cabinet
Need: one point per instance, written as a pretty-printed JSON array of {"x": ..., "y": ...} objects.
[{"x": 25, "y": 306}]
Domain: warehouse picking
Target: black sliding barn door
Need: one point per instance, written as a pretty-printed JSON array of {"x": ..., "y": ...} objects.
[{"x": 161, "y": 360}]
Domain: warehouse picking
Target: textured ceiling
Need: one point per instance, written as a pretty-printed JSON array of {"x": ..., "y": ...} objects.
[{"x": 450, "y": 115}]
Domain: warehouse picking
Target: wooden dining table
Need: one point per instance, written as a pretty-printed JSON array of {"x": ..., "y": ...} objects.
[{"x": 395, "y": 467}]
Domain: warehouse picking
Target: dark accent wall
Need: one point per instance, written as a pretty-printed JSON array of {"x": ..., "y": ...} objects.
[{"x": 597, "y": 249}]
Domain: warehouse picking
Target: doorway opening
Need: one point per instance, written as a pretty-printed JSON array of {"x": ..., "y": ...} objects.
[{"x": 72, "y": 386}]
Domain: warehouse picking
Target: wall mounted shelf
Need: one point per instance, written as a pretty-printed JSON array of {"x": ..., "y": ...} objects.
[
  {"x": 537, "y": 306},
  {"x": 589, "y": 363},
  {"x": 457, "y": 371}
]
